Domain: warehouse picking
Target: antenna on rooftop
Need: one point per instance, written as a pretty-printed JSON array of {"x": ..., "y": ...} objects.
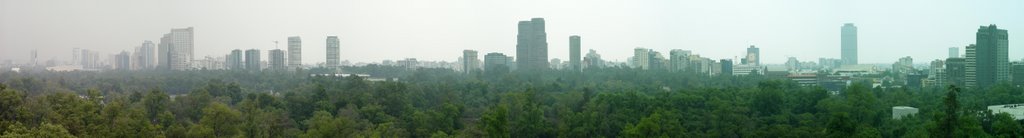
[{"x": 275, "y": 45}]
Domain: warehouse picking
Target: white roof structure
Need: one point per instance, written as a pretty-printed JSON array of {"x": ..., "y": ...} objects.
[
  {"x": 902, "y": 111},
  {"x": 1015, "y": 110}
]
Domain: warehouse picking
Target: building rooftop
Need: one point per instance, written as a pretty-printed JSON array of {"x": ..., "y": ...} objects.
[{"x": 1015, "y": 110}]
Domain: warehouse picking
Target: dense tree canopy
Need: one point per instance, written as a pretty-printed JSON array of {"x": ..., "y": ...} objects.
[{"x": 608, "y": 102}]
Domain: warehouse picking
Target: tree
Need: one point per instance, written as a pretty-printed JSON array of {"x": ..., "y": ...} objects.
[
  {"x": 658, "y": 124},
  {"x": 324, "y": 125},
  {"x": 223, "y": 120},
  {"x": 1006, "y": 127},
  {"x": 948, "y": 124},
  {"x": 495, "y": 122}
]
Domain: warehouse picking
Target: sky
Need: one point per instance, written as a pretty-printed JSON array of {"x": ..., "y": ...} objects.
[{"x": 376, "y": 30}]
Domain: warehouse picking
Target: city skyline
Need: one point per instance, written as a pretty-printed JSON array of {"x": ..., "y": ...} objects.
[{"x": 880, "y": 35}]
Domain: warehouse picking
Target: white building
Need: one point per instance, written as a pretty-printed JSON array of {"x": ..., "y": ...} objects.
[
  {"x": 903, "y": 111},
  {"x": 1015, "y": 110}
]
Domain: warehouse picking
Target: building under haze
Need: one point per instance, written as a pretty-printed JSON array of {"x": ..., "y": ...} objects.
[
  {"x": 252, "y": 60},
  {"x": 470, "y": 61},
  {"x": 641, "y": 58},
  {"x": 122, "y": 61},
  {"x": 294, "y": 52},
  {"x": 954, "y": 52},
  {"x": 235, "y": 60},
  {"x": 497, "y": 61},
  {"x": 726, "y": 69},
  {"x": 593, "y": 60},
  {"x": 753, "y": 56},
  {"x": 679, "y": 59},
  {"x": 147, "y": 55},
  {"x": 176, "y": 49},
  {"x": 990, "y": 55},
  {"x": 276, "y": 59},
  {"x": 333, "y": 52},
  {"x": 971, "y": 66},
  {"x": 532, "y": 45},
  {"x": 574, "y": 53},
  {"x": 849, "y": 44}
]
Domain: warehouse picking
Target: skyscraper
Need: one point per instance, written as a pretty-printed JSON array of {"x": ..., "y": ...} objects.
[
  {"x": 641, "y": 58},
  {"x": 991, "y": 56},
  {"x": 470, "y": 61},
  {"x": 252, "y": 60},
  {"x": 954, "y": 52},
  {"x": 180, "y": 48},
  {"x": 679, "y": 59},
  {"x": 574, "y": 53},
  {"x": 122, "y": 61},
  {"x": 532, "y": 45},
  {"x": 971, "y": 66},
  {"x": 753, "y": 56},
  {"x": 726, "y": 67},
  {"x": 294, "y": 52},
  {"x": 849, "y": 44},
  {"x": 147, "y": 55},
  {"x": 333, "y": 51},
  {"x": 235, "y": 60},
  {"x": 276, "y": 59},
  {"x": 593, "y": 60}
]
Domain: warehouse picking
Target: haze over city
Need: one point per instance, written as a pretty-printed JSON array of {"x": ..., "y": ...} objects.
[{"x": 372, "y": 31}]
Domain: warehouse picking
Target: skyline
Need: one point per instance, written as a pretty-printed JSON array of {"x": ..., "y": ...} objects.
[{"x": 718, "y": 30}]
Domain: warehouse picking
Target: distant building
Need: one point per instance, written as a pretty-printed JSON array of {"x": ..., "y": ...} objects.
[
  {"x": 333, "y": 51},
  {"x": 679, "y": 59},
  {"x": 747, "y": 69},
  {"x": 726, "y": 67},
  {"x": 954, "y": 52},
  {"x": 849, "y": 44},
  {"x": 956, "y": 71},
  {"x": 971, "y": 67},
  {"x": 593, "y": 60},
  {"x": 470, "y": 61},
  {"x": 252, "y": 60},
  {"x": 235, "y": 60},
  {"x": 294, "y": 52},
  {"x": 990, "y": 56},
  {"x": 903, "y": 111},
  {"x": 147, "y": 55},
  {"x": 753, "y": 56},
  {"x": 1017, "y": 69},
  {"x": 641, "y": 58},
  {"x": 532, "y": 45},
  {"x": 276, "y": 58},
  {"x": 122, "y": 61},
  {"x": 496, "y": 61},
  {"x": 176, "y": 49},
  {"x": 574, "y": 53}
]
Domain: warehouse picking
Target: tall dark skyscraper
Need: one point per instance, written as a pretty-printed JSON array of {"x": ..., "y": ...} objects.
[
  {"x": 532, "y": 45},
  {"x": 849, "y": 44},
  {"x": 574, "y": 53},
  {"x": 991, "y": 56},
  {"x": 956, "y": 71}
]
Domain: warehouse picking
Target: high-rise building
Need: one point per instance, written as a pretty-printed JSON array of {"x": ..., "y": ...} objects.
[
  {"x": 294, "y": 52},
  {"x": 753, "y": 56},
  {"x": 496, "y": 61},
  {"x": 179, "y": 44},
  {"x": 641, "y": 58},
  {"x": 574, "y": 53},
  {"x": 76, "y": 56},
  {"x": 276, "y": 59},
  {"x": 333, "y": 52},
  {"x": 122, "y": 61},
  {"x": 679, "y": 59},
  {"x": 991, "y": 56},
  {"x": 147, "y": 55},
  {"x": 252, "y": 60},
  {"x": 34, "y": 57},
  {"x": 954, "y": 52},
  {"x": 971, "y": 66},
  {"x": 470, "y": 61},
  {"x": 955, "y": 71},
  {"x": 726, "y": 67},
  {"x": 532, "y": 45},
  {"x": 235, "y": 60},
  {"x": 849, "y": 44}
]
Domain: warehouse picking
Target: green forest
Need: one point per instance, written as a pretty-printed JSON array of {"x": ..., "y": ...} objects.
[{"x": 442, "y": 103}]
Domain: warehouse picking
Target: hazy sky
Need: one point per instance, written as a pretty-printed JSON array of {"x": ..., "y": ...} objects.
[{"x": 375, "y": 30}]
